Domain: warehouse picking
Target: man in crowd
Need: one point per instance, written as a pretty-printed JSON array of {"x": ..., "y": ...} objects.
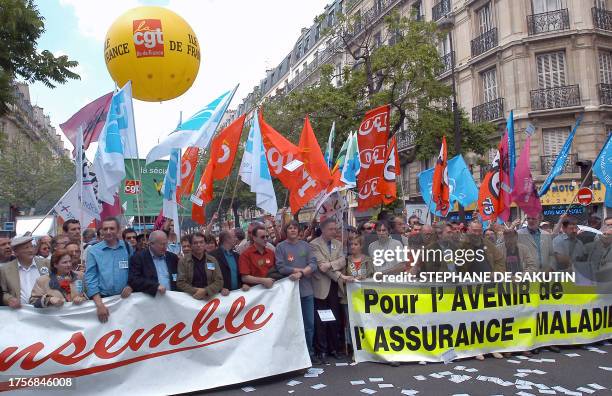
[
  {"x": 17, "y": 277},
  {"x": 330, "y": 262},
  {"x": 242, "y": 246},
  {"x": 539, "y": 240},
  {"x": 6, "y": 254},
  {"x": 384, "y": 243},
  {"x": 256, "y": 261},
  {"x": 185, "y": 245},
  {"x": 74, "y": 250},
  {"x": 600, "y": 256},
  {"x": 106, "y": 272},
  {"x": 398, "y": 228},
  {"x": 594, "y": 222},
  {"x": 567, "y": 248},
  {"x": 198, "y": 272},
  {"x": 228, "y": 262},
  {"x": 294, "y": 258},
  {"x": 435, "y": 251},
  {"x": 493, "y": 258},
  {"x": 154, "y": 270},
  {"x": 129, "y": 237},
  {"x": 89, "y": 236},
  {"x": 60, "y": 242},
  {"x": 72, "y": 228}
]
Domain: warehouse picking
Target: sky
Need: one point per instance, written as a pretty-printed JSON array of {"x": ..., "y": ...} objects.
[{"x": 239, "y": 40}]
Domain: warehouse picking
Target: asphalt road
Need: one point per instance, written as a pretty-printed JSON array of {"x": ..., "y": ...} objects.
[{"x": 581, "y": 374}]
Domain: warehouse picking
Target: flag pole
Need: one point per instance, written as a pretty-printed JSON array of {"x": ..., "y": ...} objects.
[
  {"x": 234, "y": 192},
  {"x": 581, "y": 185},
  {"x": 43, "y": 219},
  {"x": 140, "y": 215}
]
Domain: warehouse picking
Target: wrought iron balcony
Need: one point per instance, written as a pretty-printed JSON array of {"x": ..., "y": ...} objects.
[
  {"x": 548, "y": 22},
  {"x": 484, "y": 42},
  {"x": 602, "y": 19},
  {"x": 405, "y": 140},
  {"x": 605, "y": 93},
  {"x": 441, "y": 9},
  {"x": 447, "y": 61},
  {"x": 547, "y": 162},
  {"x": 370, "y": 16},
  {"x": 555, "y": 98},
  {"x": 489, "y": 111}
]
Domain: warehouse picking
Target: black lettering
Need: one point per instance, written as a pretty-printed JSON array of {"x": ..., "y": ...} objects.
[
  {"x": 413, "y": 342},
  {"x": 474, "y": 295},
  {"x": 557, "y": 323},
  {"x": 477, "y": 332},
  {"x": 490, "y": 336},
  {"x": 371, "y": 298},
  {"x": 397, "y": 341},
  {"x": 446, "y": 336},
  {"x": 585, "y": 321},
  {"x": 458, "y": 300},
  {"x": 541, "y": 323},
  {"x": 462, "y": 336},
  {"x": 489, "y": 297},
  {"x": 380, "y": 341},
  {"x": 506, "y": 329},
  {"x": 557, "y": 290},
  {"x": 568, "y": 319},
  {"x": 427, "y": 345},
  {"x": 597, "y": 319}
]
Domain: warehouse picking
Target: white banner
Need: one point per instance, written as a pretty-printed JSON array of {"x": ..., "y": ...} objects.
[{"x": 156, "y": 346}]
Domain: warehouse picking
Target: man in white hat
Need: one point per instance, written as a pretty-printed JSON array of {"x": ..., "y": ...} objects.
[{"x": 17, "y": 277}]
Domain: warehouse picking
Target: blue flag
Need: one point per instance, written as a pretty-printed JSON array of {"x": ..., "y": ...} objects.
[
  {"x": 511, "y": 147},
  {"x": 602, "y": 168},
  {"x": 463, "y": 189},
  {"x": 557, "y": 168}
]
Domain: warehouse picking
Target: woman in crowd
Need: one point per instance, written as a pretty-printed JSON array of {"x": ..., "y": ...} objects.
[
  {"x": 210, "y": 243},
  {"x": 43, "y": 250},
  {"x": 61, "y": 285}
]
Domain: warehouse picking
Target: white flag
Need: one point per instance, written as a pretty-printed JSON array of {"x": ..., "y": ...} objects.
[
  {"x": 254, "y": 170},
  {"x": 69, "y": 206},
  {"x": 117, "y": 142}
]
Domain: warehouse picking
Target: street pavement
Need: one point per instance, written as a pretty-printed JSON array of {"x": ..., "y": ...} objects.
[{"x": 574, "y": 371}]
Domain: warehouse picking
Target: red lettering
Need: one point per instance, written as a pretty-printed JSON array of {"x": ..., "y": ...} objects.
[
  {"x": 28, "y": 355},
  {"x": 203, "y": 316},
  {"x": 106, "y": 342},
  {"x": 236, "y": 308},
  {"x": 79, "y": 342},
  {"x": 253, "y": 314},
  {"x": 158, "y": 336}
]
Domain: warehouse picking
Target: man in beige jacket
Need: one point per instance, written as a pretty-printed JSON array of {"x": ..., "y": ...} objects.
[
  {"x": 18, "y": 277},
  {"x": 327, "y": 283}
]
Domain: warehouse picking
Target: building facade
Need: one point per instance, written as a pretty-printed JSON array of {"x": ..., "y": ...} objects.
[
  {"x": 548, "y": 60},
  {"x": 30, "y": 121}
]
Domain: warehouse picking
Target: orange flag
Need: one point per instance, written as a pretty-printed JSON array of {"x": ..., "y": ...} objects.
[
  {"x": 279, "y": 152},
  {"x": 440, "y": 190},
  {"x": 388, "y": 186},
  {"x": 314, "y": 176},
  {"x": 189, "y": 163},
  {"x": 223, "y": 150}
]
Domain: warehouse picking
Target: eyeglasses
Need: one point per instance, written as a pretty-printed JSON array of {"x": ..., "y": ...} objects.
[{"x": 368, "y": 228}]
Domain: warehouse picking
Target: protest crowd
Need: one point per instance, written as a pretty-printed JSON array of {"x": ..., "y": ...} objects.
[{"x": 80, "y": 265}]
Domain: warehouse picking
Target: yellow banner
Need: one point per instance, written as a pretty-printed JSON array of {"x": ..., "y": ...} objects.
[{"x": 406, "y": 322}]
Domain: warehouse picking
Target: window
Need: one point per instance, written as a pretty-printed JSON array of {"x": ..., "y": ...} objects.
[
  {"x": 554, "y": 139},
  {"x": 485, "y": 19},
  {"x": 299, "y": 51},
  {"x": 417, "y": 9},
  {"x": 444, "y": 45},
  {"x": 601, "y": 4},
  {"x": 551, "y": 70},
  {"x": 377, "y": 40},
  {"x": 338, "y": 74},
  {"x": 330, "y": 19},
  {"x": 489, "y": 85},
  {"x": 317, "y": 32},
  {"x": 306, "y": 44},
  {"x": 540, "y": 6},
  {"x": 379, "y": 4},
  {"x": 605, "y": 67}
]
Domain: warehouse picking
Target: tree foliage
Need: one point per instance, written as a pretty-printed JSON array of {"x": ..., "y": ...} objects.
[
  {"x": 21, "y": 25},
  {"x": 31, "y": 177},
  {"x": 402, "y": 73}
]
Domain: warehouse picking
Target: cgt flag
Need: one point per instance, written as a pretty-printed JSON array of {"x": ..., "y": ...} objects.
[
  {"x": 91, "y": 118},
  {"x": 372, "y": 141},
  {"x": 388, "y": 186},
  {"x": 440, "y": 190},
  {"x": 494, "y": 190}
]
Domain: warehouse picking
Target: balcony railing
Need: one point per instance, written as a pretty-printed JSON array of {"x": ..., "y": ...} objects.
[
  {"x": 405, "y": 140},
  {"x": 441, "y": 9},
  {"x": 447, "y": 61},
  {"x": 555, "y": 98},
  {"x": 547, "y": 162},
  {"x": 548, "y": 22},
  {"x": 370, "y": 16},
  {"x": 484, "y": 42},
  {"x": 602, "y": 19},
  {"x": 605, "y": 93},
  {"x": 316, "y": 63},
  {"x": 489, "y": 111}
]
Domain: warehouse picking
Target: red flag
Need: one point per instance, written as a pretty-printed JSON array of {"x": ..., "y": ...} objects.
[
  {"x": 113, "y": 210},
  {"x": 440, "y": 190},
  {"x": 189, "y": 164},
  {"x": 372, "y": 141},
  {"x": 91, "y": 117},
  {"x": 525, "y": 193},
  {"x": 223, "y": 150},
  {"x": 388, "y": 185},
  {"x": 491, "y": 197},
  {"x": 198, "y": 214}
]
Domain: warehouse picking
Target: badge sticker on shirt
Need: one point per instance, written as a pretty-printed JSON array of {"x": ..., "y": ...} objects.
[
  {"x": 303, "y": 253},
  {"x": 210, "y": 266},
  {"x": 267, "y": 261},
  {"x": 123, "y": 264},
  {"x": 260, "y": 262},
  {"x": 173, "y": 277},
  {"x": 43, "y": 271},
  {"x": 290, "y": 257}
]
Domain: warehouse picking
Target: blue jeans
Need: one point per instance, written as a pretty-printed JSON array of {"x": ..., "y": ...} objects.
[{"x": 307, "y": 304}]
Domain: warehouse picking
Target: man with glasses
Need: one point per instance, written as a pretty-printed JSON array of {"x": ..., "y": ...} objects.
[
  {"x": 257, "y": 260},
  {"x": 154, "y": 270},
  {"x": 130, "y": 237},
  {"x": 539, "y": 240}
]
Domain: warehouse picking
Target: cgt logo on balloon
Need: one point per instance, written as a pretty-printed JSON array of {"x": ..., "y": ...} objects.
[{"x": 148, "y": 37}]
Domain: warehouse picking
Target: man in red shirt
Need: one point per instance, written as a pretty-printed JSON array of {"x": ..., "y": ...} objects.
[{"x": 255, "y": 262}]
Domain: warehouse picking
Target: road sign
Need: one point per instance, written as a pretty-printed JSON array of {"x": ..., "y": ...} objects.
[
  {"x": 9, "y": 226},
  {"x": 585, "y": 196}
]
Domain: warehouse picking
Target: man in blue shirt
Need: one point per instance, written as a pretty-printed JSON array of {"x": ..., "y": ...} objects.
[
  {"x": 154, "y": 270},
  {"x": 106, "y": 272},
  {"x": 228, "y": 262}
]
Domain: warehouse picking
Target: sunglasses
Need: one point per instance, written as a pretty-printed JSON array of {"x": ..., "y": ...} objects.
[{"x": 368, "y": 228}]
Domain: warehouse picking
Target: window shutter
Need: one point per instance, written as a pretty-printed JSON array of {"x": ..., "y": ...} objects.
[
  {"x": 489, "y": 87},
  {"x": 484, "y": 17},
  {"x": 605, "y": 67},
  {"x": 554, "y": 139},
  {"x": 551, "y": 70}
]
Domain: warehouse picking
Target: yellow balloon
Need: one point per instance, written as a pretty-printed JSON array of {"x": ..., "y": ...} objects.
[{"x": 155, "y": 49}]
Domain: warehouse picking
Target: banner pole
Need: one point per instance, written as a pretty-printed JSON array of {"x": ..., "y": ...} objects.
[
  {"x": 581, "y": 185},
  {"x": 139, "y": 194},
  {"x": 41, "y": 221},
  {"x": 234, "y": 192}
]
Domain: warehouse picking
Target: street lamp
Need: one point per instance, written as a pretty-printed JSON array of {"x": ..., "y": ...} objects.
[{"x": 447, "y": 23}]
